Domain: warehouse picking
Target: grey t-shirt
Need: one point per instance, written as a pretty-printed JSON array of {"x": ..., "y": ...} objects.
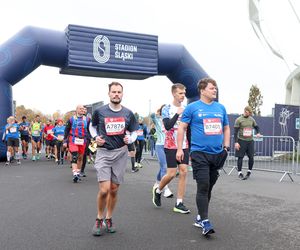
[{"x": 112, "y": 125}]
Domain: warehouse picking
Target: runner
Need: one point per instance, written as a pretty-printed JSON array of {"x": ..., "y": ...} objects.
[
  {"x": 159, "y": 149},
  {"x": 210, "y": 140},
  {"x": 25, "y": 138},
  {"x": 49, "y": 139},
  {"x": 58, "y": 133},
  {"x": 109, "y": 125},
  {"x": 76, "y": 133},
  {"x": 12, "y": 135},
  {"x": 171, "y": 115},
  {"x": 36, "y": 137}
]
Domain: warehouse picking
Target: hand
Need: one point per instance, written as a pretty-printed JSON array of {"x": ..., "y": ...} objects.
[
  {"x": 237, "y": 146},
  {"x": 179, "y": 155},
  {"x": 258, "y": 135},
  {"x": 99, "y": 140}
]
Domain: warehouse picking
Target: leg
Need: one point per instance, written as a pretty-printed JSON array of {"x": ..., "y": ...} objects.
[{"x": 111, "y": 199}]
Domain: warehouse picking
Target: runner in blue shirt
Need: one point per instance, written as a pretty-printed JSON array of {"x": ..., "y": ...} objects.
[
  {"x": 25, "y": 138},
  {"x": 12, "y": 135},
  {"x": 210, "y": 139}
]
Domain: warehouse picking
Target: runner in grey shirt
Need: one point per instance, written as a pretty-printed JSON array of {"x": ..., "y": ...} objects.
[{"x": 113, "y": 127}]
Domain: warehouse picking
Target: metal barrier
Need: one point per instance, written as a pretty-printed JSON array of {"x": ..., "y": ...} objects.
[{"x": 272, "y": 154}]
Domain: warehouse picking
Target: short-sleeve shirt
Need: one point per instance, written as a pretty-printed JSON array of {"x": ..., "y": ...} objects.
[
  {"x": 245, "y": 126},
  {"x": 25, "y": 126},
  {"x": 207, "y": 122},
  {"x": 12, "y": 132},
  {"x": 112, "y": 125},
  {"x": 169, "y": 111}
]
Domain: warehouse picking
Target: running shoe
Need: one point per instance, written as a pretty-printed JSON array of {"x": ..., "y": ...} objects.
[
  {"x": 207, "y": 227},
  {"x": 82, "y": 174},
  {"x": 134, "y": 170},
  {"x": 241, "y": 176},
  {"x": 25, "y": 156},
  {"x": 109, "y": 227},
  {"x": 197, "y": 222},
  {"x": 181, "y": 208},
  {"x": 156, "y": 198},
  {"x": 38, "y": 156},
  {"x": 98, "y": 227},
  {"x": 7, "y": 163},
  {"x": 167, "y": 192},
  {"x": 33, "y": 158},
  {"x": 62, "y": 161},
  {"x": 247, "y": 175},
  {"x": 18, "y": 162},
  {"x": 75, "y": 178}
]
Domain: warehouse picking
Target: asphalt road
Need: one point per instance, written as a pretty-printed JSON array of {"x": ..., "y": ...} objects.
[{"x": 41, "y": 208}]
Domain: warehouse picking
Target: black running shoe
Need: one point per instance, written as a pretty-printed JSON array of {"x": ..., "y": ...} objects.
[
  {"x": 247, "y": 175},
  {"x": 134, "y": 170},
  {"x": 241, "y": 176},
  {"x": 98, "y": 227},
  {"x": 181, "y": 208},
  {"x": 156, "y": 198}
]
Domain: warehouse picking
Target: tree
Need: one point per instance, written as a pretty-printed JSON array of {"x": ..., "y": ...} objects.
[{"x": 255, "y": 100}]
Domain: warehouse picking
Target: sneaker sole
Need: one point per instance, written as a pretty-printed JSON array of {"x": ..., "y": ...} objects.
[
  {"x": 197, "y": 225},
  {"x": 169, "y": 196},
  {"x": 211, "y": 231},
  {"x": 176, "y": 210}
]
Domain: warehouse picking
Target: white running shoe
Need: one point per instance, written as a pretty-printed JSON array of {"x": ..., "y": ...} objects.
[{"x": 167, "y": 192}]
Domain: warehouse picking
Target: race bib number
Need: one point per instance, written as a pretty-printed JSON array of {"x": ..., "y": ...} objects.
[
  {"x": 60, "y": 137},
  {"x": 78, "y": 141},
  {"x": 212, "y": 126},
  {"x": 247, "y": 132},
  {"x": 25, "y": 128},
  {"x": 13, "y": 130},
  {"x": 36, "y": 133},
  {"x": 49, "y": 131},
  {"x": 114, "y": 125},
  {"x": 139, "y": 132}
]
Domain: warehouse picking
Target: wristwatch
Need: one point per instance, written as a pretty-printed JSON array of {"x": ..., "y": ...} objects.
[{"x": 227, "y": 148}]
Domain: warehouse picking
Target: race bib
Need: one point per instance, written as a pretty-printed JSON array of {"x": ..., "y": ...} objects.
[
  {"x": 60, "y": 137},
  {"x": 139, "y": 132},
  {"x": 49, "y": 131},
  {"x": 13, "y": 130},
  {"x": 212, "y": 126},
  {"x": 25, "y": 128},
  {"x": 247, "y": 132},
  {"x": 114, "y": 125},
  {"x": 36, "y": 133},
  {"x": 78, "y": 141}
]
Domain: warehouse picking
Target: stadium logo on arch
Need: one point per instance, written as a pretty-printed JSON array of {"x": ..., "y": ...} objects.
[{"x": 101, "y": 49}]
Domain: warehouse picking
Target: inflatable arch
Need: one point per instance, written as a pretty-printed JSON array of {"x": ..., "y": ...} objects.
[{"x": 94, "y": 52}]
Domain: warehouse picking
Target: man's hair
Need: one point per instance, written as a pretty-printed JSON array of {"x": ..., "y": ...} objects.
[
  {"x": 202, "y": 84},
  {"x": 114, "y": 84},
  {"x": 23, "y": 117},
  {"x": 177, "y": 86},
  {"x": 249, "y": 109}
]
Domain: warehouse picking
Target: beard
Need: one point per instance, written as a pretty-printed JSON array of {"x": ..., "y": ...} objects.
[{"x": 116, "y": 101}]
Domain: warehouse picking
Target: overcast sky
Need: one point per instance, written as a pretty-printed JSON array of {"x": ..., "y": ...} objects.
[{"x": 217, "y": 34}]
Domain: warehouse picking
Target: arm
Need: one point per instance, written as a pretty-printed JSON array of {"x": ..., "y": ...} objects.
[
  {"x": 67, "y": 130},
  {"x": 226, "y": 141},
  {"x": 180, "y": 136},
  {"x": 169, "y": 123}
]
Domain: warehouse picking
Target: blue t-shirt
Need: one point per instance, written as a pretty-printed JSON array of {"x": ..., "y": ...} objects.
[
  {"x": 141, "y": 132},
  {"x": 207, "y": 123},
  {"x": 25, "y": 128},
  {"x": 59, "y": 131},
  {"x": 13, "y": 131}
]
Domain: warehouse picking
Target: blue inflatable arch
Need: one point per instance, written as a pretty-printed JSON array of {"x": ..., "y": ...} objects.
[{"x": 94, "y": 52}]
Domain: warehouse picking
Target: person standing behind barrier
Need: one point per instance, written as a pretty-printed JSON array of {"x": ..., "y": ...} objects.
[
  {"x": 75, "y": 134},
  {"x": 243, "y": 138},
  {"x": 171, "y": 115},
  {"x": 12, "y": 135},
  {"x": 159, "y": 149},
  {"x": 140, "y": 142},
  {"x": 210, "y": 140},
  {"x": 113, "y": 127},
  {"x": 25, "y": 138}
]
